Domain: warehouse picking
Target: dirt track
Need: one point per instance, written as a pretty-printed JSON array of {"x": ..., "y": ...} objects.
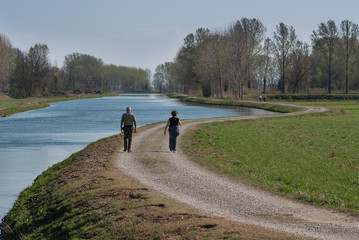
[{"x": 176, "y": 176}]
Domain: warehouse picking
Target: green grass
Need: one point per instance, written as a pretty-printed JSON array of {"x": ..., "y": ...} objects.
[
  {"x": 313, "y": 158},
  {"x": 63, "y": 201},
  {"x": 236, "y": 103},
  {"x": 87, "y": 197}
]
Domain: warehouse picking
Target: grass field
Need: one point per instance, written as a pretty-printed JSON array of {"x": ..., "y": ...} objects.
[
  {"x": 312, "y": 158},
  {"x": 87, "y": 197}
]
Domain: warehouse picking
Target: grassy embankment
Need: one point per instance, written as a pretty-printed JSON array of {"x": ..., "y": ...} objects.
[
  {"x": 311, "y": 158},
  {"x": 87, "y": 197},
  {"x": 233, "y": 103},
  {"x": 11, "y": 106}
]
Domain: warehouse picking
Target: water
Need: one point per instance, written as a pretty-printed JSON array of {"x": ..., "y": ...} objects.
[{"x": 32, "y": 141}]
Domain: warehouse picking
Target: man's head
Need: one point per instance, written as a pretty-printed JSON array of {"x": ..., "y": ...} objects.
[{"x": 128, "y": 109}]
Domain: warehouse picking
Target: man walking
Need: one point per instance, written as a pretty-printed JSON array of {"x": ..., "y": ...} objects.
[{"x": 127, "y": 121}]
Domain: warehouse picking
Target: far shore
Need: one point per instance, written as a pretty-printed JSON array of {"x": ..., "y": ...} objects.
[{"x": 9, "y": 106}]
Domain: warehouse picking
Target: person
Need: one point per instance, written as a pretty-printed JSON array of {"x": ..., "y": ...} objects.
[
  {"x": 260, "y": 98},
  {"x": 264, "y": 98},
  {"x": 172, "y": 125},
  {"x": 127, "y": 121}
]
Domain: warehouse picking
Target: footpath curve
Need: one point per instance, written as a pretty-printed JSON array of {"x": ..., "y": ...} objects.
[{"x": 176, "y": 176}]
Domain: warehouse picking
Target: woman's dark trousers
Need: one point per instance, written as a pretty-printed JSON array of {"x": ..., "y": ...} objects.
[{"x": 173, "y": 131}]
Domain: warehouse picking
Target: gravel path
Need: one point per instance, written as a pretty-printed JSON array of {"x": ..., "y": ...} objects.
[{"x": 176, "y": 176}]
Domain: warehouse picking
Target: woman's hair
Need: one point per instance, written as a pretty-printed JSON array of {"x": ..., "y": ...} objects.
[{"x": 174, "y": 113}]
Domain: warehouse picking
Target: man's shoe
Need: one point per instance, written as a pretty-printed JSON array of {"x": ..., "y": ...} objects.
[
  {"x": 124, "y": 149},
  {"x": 129, "y": 150}
]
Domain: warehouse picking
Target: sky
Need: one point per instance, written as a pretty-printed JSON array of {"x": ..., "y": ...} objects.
[{"x": 146, "y": 33}]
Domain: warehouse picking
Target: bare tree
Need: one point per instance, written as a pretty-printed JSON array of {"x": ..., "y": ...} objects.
[
  {"x": 29, "y": 76},
  {"x": 7, "y": 62},
  {"x": 300, "y": 67},
  {"x": 254, "y": 31},
  {"x": 284, "y": 40},
  {"x": 208, "y": 66},
  {"x": 187, "y": 59},
  {"x": 267, "y": 51},
  {"x": 161, "y": 78},
  {"x": 325, "y": 40},
  {"x": 235, "y": 52},
  {"x": 349, "y": 33}
]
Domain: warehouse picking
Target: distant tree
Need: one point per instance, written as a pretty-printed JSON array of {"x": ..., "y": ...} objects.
[
  {"x": 325, "y": 40},
  {"x": 159, "y": 78},
  {"x": 300, "y": 67},
  {"x": 349, "y": 34},
  {"x": 201, "y": 35},
  {"x": 56, "y": 80},
  {"x": 111, "y": 77},
  {"x": 208, "y": 66},
  {"x": 254, "y": 31},
  {"x": 264, "y": 64},
  {"x": 18, "y": 79},
  {"x": 148, "y": 76},
  {"x": 185, "y": 61},
  {"x": 39, "y": 67},
  {"x": 143, "y": 81},
  {"x": 187, "y": 58},
  {"x": 31, "y": 70},
  {"x": 235, "y": 50},
  {"x": 84, "y": 71},
  {"x": 7, "y": 62},
  {"x": 284, "y": 40},
  {"x": 130, "y": 79}
]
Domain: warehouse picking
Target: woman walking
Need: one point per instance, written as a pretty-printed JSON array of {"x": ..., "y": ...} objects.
[{"x": 172, "y": 125}]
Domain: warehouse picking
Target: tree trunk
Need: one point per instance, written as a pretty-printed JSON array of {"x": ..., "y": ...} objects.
[
  {"x": 329, "y": 75},
  {"x": 264, "y": 83},
  {"x": 347, "y": 70}
]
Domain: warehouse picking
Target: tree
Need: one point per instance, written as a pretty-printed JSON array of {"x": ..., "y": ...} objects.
[
  {"x": 234, "y": 56},
  {"x": 349, "y": 33},
  {"x": 284, "y": 40},
  {"x": 208, "y": 66},
  {"x": 201, "y": 35},
  {"x": 159, "y": 78},
  {"x": 264, "y": 63},
  {"x": 187, "y": 58},
  {"x": 84, "y": 71},
  {"x": 254, "y": 31},
  {"x": 56, "y": 81},
  {"x": 29, "y": 76},
  {"x": 39, "y": 67},
  {"x": 300, "y": 67},
  {"x": 7, "y": 62},
  {"x": 324, "y": 41}
]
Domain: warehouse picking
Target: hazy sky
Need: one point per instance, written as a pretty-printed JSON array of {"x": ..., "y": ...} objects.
[{"x": 145, "y": 33}]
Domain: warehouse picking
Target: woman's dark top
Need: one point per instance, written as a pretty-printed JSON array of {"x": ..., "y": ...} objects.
[{"x": 174, "y": 121}]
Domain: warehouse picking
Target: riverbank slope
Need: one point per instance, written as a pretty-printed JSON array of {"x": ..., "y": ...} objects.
[{"x": 87, "y": 197}]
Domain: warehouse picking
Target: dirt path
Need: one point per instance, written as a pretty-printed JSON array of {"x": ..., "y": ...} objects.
[{"x": 178, "y": 177}]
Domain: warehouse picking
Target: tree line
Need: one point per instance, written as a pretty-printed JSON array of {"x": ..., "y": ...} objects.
[
  {"x": 30, "y": 73},
  {"x": 241, "y": 58}
]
